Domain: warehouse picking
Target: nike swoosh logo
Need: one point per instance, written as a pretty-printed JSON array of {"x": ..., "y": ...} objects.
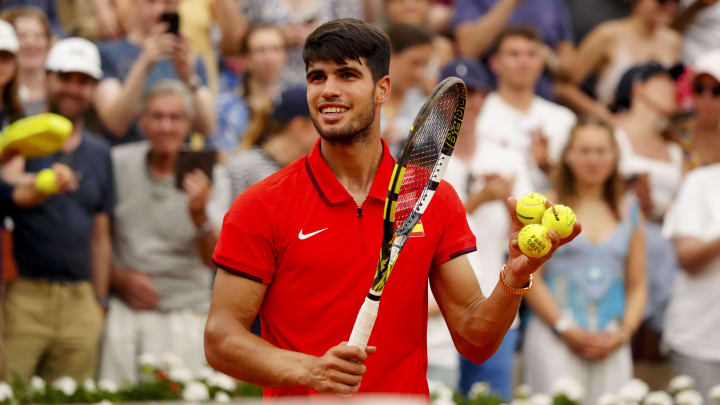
[{"x": 303, "y": 236}]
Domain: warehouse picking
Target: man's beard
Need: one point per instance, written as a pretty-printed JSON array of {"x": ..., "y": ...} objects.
[
  {"x": 53, "y": 106},
  {"x": 352, "y": 132}
]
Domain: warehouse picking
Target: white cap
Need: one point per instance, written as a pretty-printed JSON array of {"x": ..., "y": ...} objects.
[
  {"x": 74, "y": 55},
  {"x": 8, "y": 39},
  {"x": 709, "y": 63}
]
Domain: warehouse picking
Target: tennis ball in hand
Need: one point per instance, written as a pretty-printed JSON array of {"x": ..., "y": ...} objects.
[
  {"x": 530, "y": 208},
  {"x": 46, "y": 182},
  {"x": 559, "y": 218},
  {"x": 534, "y": 240}
]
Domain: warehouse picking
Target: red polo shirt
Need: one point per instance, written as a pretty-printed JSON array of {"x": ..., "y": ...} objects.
[{"x": 300, "y": 232}]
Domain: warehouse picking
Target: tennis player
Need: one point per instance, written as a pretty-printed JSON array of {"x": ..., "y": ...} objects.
[{"x": 301, "y": 248}]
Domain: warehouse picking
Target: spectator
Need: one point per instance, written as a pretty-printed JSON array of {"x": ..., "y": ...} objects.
[
  {"x": 417, "y": 12},
  {"x": 480, "y": 23},
  {"x": 298, "y": 18},
  {"x": 434, "y": 15},
  {"x": 53, "y": 314},
  {"x": 700, "y": 135},
  {"x": 10, "y": 106},
  {"x": 264, "y": 51},
  {"x": 163, "y": 237},
  {"x": 654, "y": 166},
  {"x": 411, "y": 52},
  {"x": 615, "y": 46},
  {"x": 692, "y": 330},
  {"x": 48, "y": 7},
  {"x": 33, "y": 31},
  {"x": 135, "y": 62},
  {"x": 93, "y": 20},
  {"x": 519, "y": 134},
  {"x": 699, "y": 23},
  {"x": 590, "y": 298},
  {"x": 288, "y": 135},
  {"x": 443, "y": 361}
]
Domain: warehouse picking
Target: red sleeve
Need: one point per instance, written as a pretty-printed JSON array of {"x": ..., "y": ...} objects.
[
  {"x": 457, "y": 239},
  {"x": 245, "y": 246}
]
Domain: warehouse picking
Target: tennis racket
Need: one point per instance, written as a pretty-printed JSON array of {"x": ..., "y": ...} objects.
[{"x": 415, "y": 178}]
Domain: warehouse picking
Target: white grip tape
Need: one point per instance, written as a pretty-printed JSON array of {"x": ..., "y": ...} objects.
[{"x": 364, "y": 323}]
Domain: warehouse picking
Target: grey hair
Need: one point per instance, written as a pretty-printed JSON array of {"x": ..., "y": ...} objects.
[{"x": 171, "y": 86}]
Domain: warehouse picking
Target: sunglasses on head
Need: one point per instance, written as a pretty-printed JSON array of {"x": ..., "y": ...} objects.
[
  {"x": 663, "y": 2},
  {"x": 700, "y": 89}
]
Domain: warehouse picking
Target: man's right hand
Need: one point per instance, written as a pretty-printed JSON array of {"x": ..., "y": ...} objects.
[
  {"x": 137, "y": 290},
  {"x": 339, "y": 370},
  {"x": 158, "y": 45}
]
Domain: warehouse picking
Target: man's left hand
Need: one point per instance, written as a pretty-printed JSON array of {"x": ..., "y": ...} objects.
[
  {"x": 184, "y": 60},
  {"x": 520, "y": 267}
]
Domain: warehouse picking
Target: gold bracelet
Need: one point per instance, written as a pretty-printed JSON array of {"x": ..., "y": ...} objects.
[{"x": 514, "y": 291}]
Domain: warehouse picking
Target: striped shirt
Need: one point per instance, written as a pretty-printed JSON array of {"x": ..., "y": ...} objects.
[{"x": 249, "y": 167}]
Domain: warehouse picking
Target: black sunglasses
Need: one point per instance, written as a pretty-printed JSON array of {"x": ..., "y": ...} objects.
[
  {"x": 700, "y": 89},
  {"x": 663, "y": 2}
]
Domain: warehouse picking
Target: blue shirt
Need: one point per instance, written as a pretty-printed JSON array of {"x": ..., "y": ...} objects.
[
  {"x": 52, "y": 241},
  {"x": 233, "y": 116},
  {"x": 587, "y": 280},
  {"x": 549, "y": 17}
]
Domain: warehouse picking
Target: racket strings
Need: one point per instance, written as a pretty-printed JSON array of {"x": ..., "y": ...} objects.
[{"x": 425, "y": 150}]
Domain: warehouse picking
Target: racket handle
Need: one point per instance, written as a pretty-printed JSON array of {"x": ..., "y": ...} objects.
[{"x": 364, "y": 323}]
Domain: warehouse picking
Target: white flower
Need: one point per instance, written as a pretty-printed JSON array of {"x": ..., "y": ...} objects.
[
  {"x": 170, "y": 361},
  {"x": 679, "y": 383},
  {"x": 6, "y": 391},
  {"x": 714, "y": 394},
  {"x": 480, "y": 388},
  {"x": 540, "y": 399},
  {"x": 148, "y": 360},
  {"x": 89, "y": 385},
  {"x": 608, "y": 399},
  {"x": 689, "y": 397},
  {"x": 37, "y": 383},
  {"x": 104, "y": 402},
  {"x": 108, "y": 386},
  {"x": 180, "y": 374},
  {"x": 443, "y": 400},
  {"x": 519, "y": 401},
  {"x": 569, "y": 387},
  {"x": 204, "y": 373},
  {"x": 523, "y": 391},
  {"x": 222, "y": 396},
  {"x": 195, "y": 391},
  {"x": 220, "y": 380},
  {"x": 633, "y": 391},
  {"x": 66, "y": 384},
  {"x": 658, "y": 398}
]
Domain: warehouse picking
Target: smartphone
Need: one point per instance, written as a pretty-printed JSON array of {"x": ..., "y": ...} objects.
[
  {"x": 173, "y": 21},
  {"x": 189, "y": 160}
]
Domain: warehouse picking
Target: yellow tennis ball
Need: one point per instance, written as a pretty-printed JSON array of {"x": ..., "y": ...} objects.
[
  {"x": 46, "y": 182},
  {"x": 560, "y": 218},
  {"x": 534, "y": 240},
  {"x": 530, "y": 208}
]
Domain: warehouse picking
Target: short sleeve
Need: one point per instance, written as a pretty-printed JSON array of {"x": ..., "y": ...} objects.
[
  {"x": 245, "y": 246},
  {"x": 565, "y": 33},
  {"x": 107, "y": 204},
  {"x": 456, "y": 239},
  {"x": 469, "y": 10},
  {"x": 687, "y": 215},
  {"x": 220, "y": 195}
]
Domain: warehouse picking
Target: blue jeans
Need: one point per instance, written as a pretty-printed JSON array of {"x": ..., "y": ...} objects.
[{"x": 497, "y": 370}]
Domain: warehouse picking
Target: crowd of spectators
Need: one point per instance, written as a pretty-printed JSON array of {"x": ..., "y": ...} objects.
[{"x": 612, "y": 107}]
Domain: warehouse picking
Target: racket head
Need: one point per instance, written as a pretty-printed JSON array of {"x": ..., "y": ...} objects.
[
  {"x": 419, "y": 170},
  {"x": 426, "y": 154}
]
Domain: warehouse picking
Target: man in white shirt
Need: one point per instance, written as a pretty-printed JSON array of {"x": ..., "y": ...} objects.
[
  {"x": 520, "y": 134},
  {"x": 692, "y": 323}
]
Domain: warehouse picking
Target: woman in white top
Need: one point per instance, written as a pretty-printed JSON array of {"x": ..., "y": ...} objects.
[
  {"x": 653, "y": 166},
  {"x": 615, "y": 46}
]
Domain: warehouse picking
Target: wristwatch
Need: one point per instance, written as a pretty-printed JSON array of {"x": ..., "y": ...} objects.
[
  {"x": 195, "y": 83},
  {"x": 562, "y": 325}
]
